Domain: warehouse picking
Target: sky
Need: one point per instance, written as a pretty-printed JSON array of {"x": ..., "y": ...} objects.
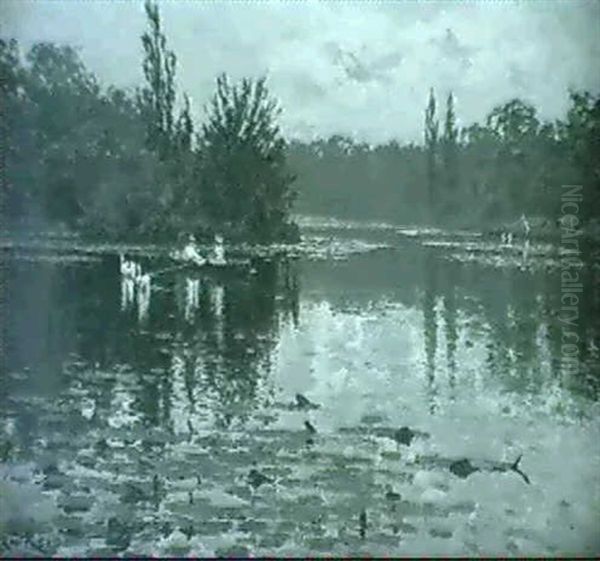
[{"x": 361, "y": 69}]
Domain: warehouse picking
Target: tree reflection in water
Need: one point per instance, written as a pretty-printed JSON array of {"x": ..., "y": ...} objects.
[
  {"x": 219, "y": 340},
  {"x": 181, "y": 391},
  {"x": 430, "y": 326}
]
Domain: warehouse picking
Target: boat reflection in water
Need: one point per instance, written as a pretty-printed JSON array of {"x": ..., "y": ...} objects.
[
  {"x": 214, "y": 329},
  {"x": 217, "y": 296},
  {"x": 192, "y": 289},
  {"x": 143, "y": 296}
]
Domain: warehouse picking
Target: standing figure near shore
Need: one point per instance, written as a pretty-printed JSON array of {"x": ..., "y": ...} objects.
[
  {"x": 526, "y": 227},
  {"x": 526, "y": 230}
]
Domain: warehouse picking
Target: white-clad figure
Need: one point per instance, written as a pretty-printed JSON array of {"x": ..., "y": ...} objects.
[
  {"x": 525, "y": 250},
  {"x": 124, "y": 265},
  {"x": 130, "y": 269},
  {"x": 124, "y": 299},
  {"x": 143, "y": 283},
  {"x": 192, "y": 288},
  {"x": 217, "y": 297},
  {"x": 526, "y": 230},
  {"x": 127, "y": 292},
  {"x": 143, "y": 294},
  {"x": 526, "y": 227},
  {"x": 218, "y": 257},
  {"x": 127, "y": 267},
  {"x": 190, "y": 252},
  {"x": 134, "y": 281}
]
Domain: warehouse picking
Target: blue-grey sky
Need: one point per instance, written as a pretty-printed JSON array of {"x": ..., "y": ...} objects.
[{"x": 357, "y": 68}]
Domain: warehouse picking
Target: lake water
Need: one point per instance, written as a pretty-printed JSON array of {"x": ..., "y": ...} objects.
[{"x": 166, "y": 422}]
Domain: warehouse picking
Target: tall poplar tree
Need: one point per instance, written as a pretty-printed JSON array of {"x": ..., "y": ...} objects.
[
  {"x": 431, "y": 148},
  {"x": 450, "y": 156},
  {"x": 157, "y": 98}
]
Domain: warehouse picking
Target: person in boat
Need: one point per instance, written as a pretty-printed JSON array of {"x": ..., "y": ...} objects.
[
  {"x": 218, "y": 256},
  {"x": 190, "y": 252}
]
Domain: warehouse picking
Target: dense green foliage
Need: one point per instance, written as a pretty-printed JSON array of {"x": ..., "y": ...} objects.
[
  {"x": 246, "y": 182},
  {"x": 477, "y": 176},
  {"x": 122, "y": 165}
]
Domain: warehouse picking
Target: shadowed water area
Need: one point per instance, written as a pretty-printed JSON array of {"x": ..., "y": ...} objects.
[{"x": 367, "y": 391}]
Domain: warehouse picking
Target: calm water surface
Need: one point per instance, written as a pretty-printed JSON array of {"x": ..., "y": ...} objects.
[{"x": 166, "y": 422}]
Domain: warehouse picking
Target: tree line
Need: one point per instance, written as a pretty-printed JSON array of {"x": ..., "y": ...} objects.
[
  {"x": 128, "y": 165},
  {"x": 124, "y": 165},
  {"x": 484, "y": 174}
]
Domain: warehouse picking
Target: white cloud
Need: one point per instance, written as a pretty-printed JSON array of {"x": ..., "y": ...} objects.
[{"x": 356, "y": 68}]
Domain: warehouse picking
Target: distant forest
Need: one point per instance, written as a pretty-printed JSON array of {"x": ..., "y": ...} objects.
[
  {"x": 132, "y": 165},
  {"x": 479, "y": 176}
]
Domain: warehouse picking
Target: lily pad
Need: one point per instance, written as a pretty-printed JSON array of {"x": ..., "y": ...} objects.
[{"x": 76, "y": 503}]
